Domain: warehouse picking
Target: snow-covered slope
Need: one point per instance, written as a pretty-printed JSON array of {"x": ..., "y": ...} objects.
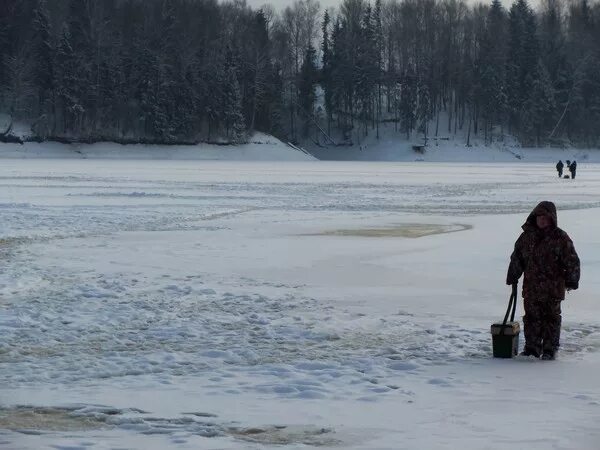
[
  {"x": 451, "y": 151},
  {"x": 392, "y": 145},
  {"x": 261, "y": 147}
]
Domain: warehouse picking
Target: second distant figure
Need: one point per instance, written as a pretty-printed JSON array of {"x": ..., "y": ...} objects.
[{"x": 573, "y": 169}]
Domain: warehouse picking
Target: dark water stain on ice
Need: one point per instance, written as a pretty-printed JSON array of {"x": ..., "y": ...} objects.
[
  {"x": 286, "y": 435},
  {"x": 39, "y": 420},
  {"x": 35, "y": 420},
  {"x": 407, "y": 230}
]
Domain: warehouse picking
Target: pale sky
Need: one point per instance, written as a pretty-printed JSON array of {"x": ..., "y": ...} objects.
[{"x": 281, "y": 4}]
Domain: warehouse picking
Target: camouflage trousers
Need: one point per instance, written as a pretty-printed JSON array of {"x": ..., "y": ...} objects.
[{"x": 541, "y": 324}]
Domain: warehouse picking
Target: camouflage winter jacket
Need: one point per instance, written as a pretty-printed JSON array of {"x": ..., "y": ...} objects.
[{"x": 546, "y": 257}]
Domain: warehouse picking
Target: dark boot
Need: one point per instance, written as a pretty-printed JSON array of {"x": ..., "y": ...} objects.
[
  {"x": 549, "y": 355},
  {"x": 530, "y": 352}
]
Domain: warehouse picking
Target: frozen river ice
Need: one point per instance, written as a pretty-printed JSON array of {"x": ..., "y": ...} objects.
[{"x": 161, "y": 304}]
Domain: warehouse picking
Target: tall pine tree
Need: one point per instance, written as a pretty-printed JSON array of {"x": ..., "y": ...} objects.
[
  {"x": 523, "y": 54},
  {"x": 307, "y": 83}
]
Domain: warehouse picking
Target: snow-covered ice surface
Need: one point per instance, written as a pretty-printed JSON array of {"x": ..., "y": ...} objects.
[{"x": 182, "y": 304}]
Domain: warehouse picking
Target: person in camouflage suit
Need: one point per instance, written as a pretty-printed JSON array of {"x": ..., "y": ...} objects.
[{"x": 546, "y": 256}]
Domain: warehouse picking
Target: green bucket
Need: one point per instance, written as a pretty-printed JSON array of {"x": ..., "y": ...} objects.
[{"x": 505, "y": 339}]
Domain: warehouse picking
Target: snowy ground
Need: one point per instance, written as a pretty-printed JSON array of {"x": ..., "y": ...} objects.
[
  {"x": 169, "y": 304},
  {"x": 260, "y": 147},
  {"x": 453, "y": 151},
  {"x": 393, "y": 145}
]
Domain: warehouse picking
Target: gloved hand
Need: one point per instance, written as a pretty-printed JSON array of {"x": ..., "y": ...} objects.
[{"x": 571, "y": 285}]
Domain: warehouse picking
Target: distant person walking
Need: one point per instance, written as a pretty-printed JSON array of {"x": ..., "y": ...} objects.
[
  {"x": 573, "y": 169},
  {"x": 559, "y": 168}
]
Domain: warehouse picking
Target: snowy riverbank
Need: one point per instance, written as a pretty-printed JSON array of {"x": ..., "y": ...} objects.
[{"x": 261, "y": 147}]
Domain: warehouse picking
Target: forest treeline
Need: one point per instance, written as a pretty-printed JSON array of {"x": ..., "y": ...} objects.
[{"x": 199, "y": 70}]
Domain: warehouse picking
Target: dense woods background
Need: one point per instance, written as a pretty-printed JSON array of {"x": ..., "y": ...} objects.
[{"x": 199, "y": 70}]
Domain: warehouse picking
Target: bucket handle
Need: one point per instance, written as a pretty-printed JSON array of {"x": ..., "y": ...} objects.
[{"x": 512, "y": 304}]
